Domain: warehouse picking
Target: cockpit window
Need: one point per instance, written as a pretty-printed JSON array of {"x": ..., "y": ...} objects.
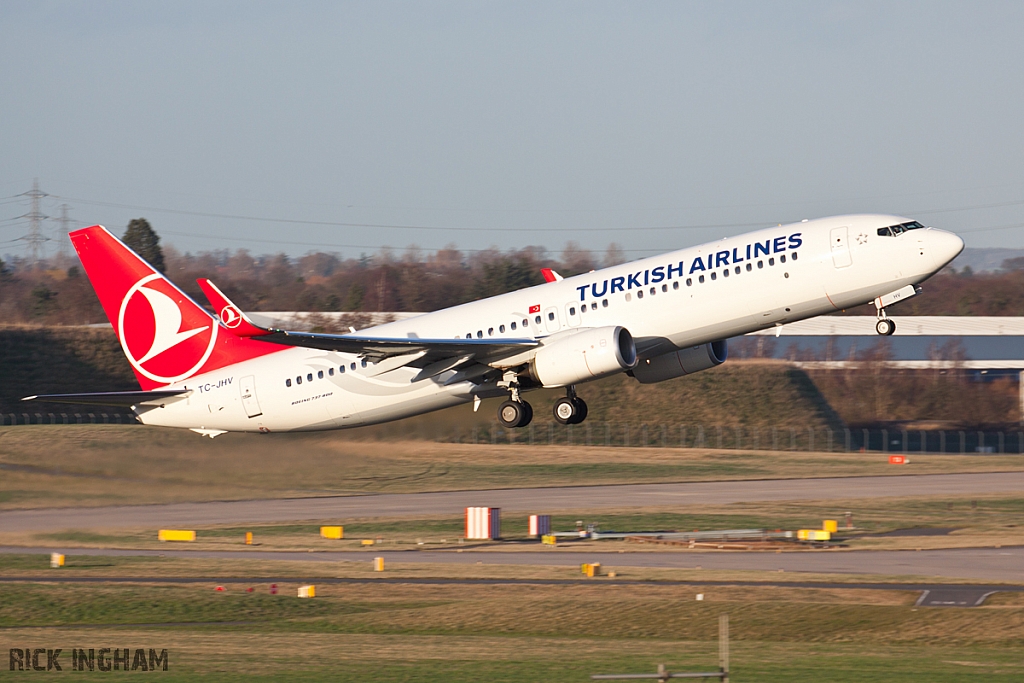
[{"x": 899, "y": 229}]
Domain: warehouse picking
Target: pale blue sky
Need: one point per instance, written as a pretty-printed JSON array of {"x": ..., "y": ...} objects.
[{"x": 510, "y": 124}]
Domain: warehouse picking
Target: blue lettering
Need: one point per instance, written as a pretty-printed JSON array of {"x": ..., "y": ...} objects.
[
  {"x": 604, "y": 289},
  {"x": 779, "y": 244},
  {"x": 795, "y": 241},
  {"x": 647, "y": 277},
  {"x": 678, "y": 271},
  {"x": 697, "y": 265},
  {"x": 748, "y": 252},
  {"x": 721, "y": 259},
  {"x": 617, "y": 283},
  {"x": 762, "y": 249},
  {"x": 583, "y": 292},
  {"x": 735, "y": 256},
  {"x": 658, "y": 274},
  {"x": 634, "y": 280}
]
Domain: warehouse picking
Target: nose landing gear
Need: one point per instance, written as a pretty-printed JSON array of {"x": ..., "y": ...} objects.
[
  {"x": 570, "y": 410},
  {"x": 885, "y": 327}
]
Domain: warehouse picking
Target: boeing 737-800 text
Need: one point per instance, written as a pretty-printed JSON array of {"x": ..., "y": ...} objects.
[{"x": 655, "y": 319}]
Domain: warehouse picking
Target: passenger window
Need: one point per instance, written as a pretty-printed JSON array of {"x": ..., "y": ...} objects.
[
  {"x": 514, "y": 325},
  {"x": 593, "y": 305},
  {"x": 287, "y": 382},
  {"x": 725, "y": 273},
  {"x": 572, "y": 310},
  {"x": 298, "y": 380},
  {"x": 330, "y": 371},
  {"x": 501, "y": 328},
  {"x": 629, "y": 297},
  {"x": 363, "y": 362},
  {"x": 583, "y": 308},
  {"x": 749, "y": 267},
  {"x": 760, "y": 264},
  {"x": 793, "y": 256},
  {"x": 771, "y": 261},
  {"x": 341, "y": 369},
  {"x": 309, "y": 377},
  {"x": 782, "y": 259},
  {"x": 320, "y": 374},
  {"x": 469, "y": 335},
  {"x": 884, "y": 232},
  {"x": 490, "y": 331},
  {"x": 536, "y": 319},
  {"x": 479, "y": 334},
  {"x": 526, "y": 323},
  {"x": 714, "y": 276},
  {"x": 639, "y": 294},
  {"x": 737, "y": 270},
  {"x": 664, "y": 288},
  {"x": 352, "y": 367},
  {"x": 604, "y": 303},
  {"x": 551, "y": 315},
  {"x": 701, "y": 279}
]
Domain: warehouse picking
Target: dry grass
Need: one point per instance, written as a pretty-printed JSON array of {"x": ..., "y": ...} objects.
[{"x": 100, "y": 465}]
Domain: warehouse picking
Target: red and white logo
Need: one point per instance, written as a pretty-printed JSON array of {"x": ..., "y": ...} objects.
[
  {"x": 158, "y": 342},
  {"x": 230, "y": 316},
  {"x": 535, "y": 309}
]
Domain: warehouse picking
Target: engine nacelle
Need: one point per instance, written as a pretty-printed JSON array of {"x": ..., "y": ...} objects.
[
  {"x": 586, "y": 355},
  {"x": 683, "y": 362}
]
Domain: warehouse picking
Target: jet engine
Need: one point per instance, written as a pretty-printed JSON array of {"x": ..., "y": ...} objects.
[
  {"x": 682, "y": 362},
  {"x": 586, "y": 355}
]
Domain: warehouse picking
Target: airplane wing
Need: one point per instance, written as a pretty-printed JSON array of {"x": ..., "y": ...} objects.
[
  {"x": 114, "y": 398},
  {"x": 415, "y": 351}
]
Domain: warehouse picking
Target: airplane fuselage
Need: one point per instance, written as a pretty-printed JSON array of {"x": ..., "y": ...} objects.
[{"x": 681, "y": 299}]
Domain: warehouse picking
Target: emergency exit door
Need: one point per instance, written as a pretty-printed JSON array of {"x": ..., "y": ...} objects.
[
  {"x": 247, "y": 385},
  {"x": 841, "y": 247}
]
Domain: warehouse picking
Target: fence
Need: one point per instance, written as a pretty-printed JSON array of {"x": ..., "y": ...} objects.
[
  {"x": 65, "y": 418},
  {"x": 821, "y": 439},
  {"x": 620, "y": 434}
]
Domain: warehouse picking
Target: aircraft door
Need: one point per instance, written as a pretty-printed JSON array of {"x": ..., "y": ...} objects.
[
  {"x": 551, "y": 319},
  {"x": 247, "y": 385},
  {"x": 572, "y": 314},
  {"x": 840, "y": 241}
]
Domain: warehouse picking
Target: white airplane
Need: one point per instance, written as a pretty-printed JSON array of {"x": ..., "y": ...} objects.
[{"x": 654, "y": 319}]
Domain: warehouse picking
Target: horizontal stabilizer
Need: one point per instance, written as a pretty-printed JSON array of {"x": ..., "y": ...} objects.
[{"x": 113, "y": 398}]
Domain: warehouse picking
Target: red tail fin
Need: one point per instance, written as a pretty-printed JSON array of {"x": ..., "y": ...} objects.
[{"x": 166, "y": 336}]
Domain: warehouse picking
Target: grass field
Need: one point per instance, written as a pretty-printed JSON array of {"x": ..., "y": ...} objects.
[
  {"x": 520, "y": 632},
  {"x": 45, "y": 466},
  {"x": 975, "y": 521}
]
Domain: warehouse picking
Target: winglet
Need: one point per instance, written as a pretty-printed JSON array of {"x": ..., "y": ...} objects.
[
  {"x": 550, "y": 275},
  {"x": 230, "y": 315}
]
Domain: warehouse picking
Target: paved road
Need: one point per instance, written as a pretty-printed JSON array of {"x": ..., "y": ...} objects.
[
  {"x": 977, "y": 564},
  {"x": 538, "y": 500}
]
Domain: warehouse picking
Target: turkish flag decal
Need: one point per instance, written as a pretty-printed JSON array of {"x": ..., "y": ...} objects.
[{"x": 535, "y": 309}]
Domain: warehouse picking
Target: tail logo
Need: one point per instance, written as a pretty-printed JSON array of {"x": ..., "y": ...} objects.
[
  {"x": 230, "y": 316},
  {"x": 158, "y": 342}
]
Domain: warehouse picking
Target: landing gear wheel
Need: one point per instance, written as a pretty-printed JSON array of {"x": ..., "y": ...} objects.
[
  {"x": 565, "y": 410},
  {"x": 581, "y": 412},
  {"x": 528, "y": 418},
  {"x": 885, "y": 327},
  {"x": 511, "y": 414}
]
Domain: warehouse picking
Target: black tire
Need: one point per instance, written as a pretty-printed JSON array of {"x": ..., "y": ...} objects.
[
  {"x": 565, "y": 411},
  {"x": 511, "y": 414},
  {"x": 581, "y": 411},
  {"x": 892, "y": 328},
  {"x": 885, "y": 327},
  {"x": 528, "y": 418}
]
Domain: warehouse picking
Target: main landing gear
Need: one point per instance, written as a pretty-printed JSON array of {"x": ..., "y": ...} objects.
[
  {"x": 570, "y": 410},
  {"x": 515, "y": 412}
]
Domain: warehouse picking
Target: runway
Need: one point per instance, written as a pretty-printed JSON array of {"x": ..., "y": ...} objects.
[
  {"x": 527, "y": 500},
  {"x": 976, "y": 564}
]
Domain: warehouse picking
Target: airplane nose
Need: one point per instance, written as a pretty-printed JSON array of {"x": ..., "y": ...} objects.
[{"x": 945, "y": 246}]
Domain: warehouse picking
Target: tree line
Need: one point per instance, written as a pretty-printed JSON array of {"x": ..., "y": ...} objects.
[{"x": 55, "y": 291}]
